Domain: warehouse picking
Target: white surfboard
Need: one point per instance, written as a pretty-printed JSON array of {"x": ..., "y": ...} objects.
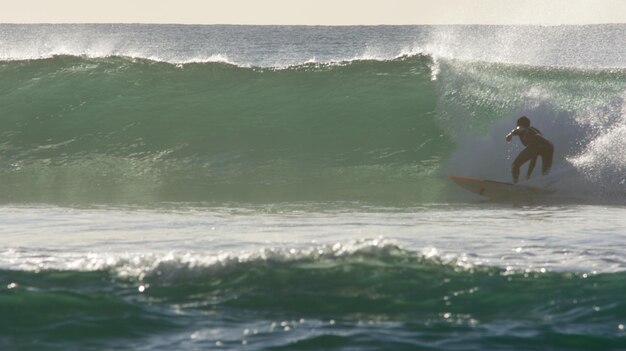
[{"x": 495, "y": 189}]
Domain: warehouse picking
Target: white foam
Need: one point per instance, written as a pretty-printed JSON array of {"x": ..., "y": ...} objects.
[{"x": 173, "y": 244}]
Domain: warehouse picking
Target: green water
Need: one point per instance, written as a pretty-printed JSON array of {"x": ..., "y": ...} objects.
[{"x": 120, "y": 130}]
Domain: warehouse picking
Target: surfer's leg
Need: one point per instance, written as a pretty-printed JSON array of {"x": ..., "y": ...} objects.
[
  {"x": 522, "y": 158},
  {"x": 546, "y": 159}
]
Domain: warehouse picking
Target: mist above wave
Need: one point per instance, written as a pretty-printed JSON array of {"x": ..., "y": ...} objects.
[{"x": 284, "y": 46}]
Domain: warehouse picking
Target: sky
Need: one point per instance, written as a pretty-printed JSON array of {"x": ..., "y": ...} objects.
[{"x": 316, "y": 12}]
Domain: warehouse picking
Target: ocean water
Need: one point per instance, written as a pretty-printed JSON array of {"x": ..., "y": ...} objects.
[{"x": 168, "y": 187}]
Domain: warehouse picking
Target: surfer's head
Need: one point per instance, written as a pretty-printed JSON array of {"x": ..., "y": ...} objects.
[{"x": 523, "y": 122}]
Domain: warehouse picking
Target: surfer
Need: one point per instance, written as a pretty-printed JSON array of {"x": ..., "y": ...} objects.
[{"x": 536, "y": 145}]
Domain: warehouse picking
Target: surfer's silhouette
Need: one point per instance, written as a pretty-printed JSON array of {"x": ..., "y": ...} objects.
[{"x": 536, "y": 145}]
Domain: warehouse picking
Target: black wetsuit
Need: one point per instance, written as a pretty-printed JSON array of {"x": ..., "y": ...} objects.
[{"x": 536, "y": 145}]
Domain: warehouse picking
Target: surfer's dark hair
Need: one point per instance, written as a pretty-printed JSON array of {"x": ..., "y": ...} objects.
[{"x": 523, "y": 121}]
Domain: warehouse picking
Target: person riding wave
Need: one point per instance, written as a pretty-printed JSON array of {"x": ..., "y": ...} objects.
[{"x": 536, "y": 145}]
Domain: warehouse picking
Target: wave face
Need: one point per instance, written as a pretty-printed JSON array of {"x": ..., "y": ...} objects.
[
  {"x": 319, "y": 298},
  {"x": 147, "y": 114},
  {"x": 115, "y": 129}
]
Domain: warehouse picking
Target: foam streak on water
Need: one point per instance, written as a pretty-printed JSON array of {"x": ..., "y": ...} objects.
[{"x": 532, "y": 237}]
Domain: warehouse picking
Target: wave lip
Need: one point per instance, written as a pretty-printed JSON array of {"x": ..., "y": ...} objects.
[{"x": 589, "y": 46}]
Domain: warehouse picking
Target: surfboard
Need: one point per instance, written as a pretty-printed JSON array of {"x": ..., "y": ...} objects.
[{"x": 495, "y": 189}]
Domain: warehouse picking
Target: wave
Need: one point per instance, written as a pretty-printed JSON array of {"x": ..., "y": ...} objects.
[
  {"x": 346, "y": 284},
  {"x": 116, "y": 129}
]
